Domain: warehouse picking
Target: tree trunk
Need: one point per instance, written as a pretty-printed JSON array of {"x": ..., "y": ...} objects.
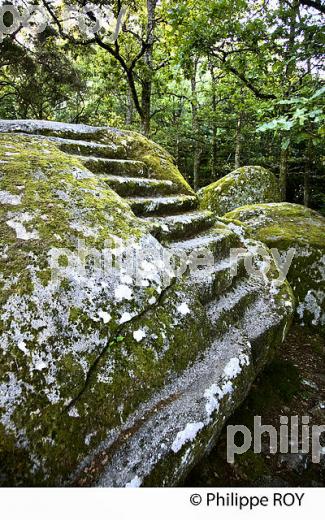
[
  {"x": 289, "y": 56},
  {"x": 129, "y": 108},
  {"x": 195, "y": 126},
  {"x": 214, "y": 126},
  {"x": 148, "y": 73},
  {"x": 307, "y": 173},
  {"x": 214, "y": 153},
  {"x": 238, "y": 141},
  {"x": 283, "y": 173},
  {"x": 146, "y": 107},
  {"x": 307, "y": 187},
  {"x": 196, "y": 168},
  {"x": 309, "y": 145},
  {"x": 176, "y": 126}
]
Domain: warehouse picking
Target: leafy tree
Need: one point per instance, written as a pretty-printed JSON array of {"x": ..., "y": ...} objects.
[
  {"x": 219, "y": 83},
  {"x": 36, "y": 81}
]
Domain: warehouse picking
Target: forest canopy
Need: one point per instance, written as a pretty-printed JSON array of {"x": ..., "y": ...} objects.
[{"x": 219, "y": 83}]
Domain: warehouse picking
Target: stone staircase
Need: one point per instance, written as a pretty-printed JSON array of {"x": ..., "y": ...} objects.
[
  {"x": 232, "y": 302},
  {"x": 241, "y": 310},
  {"x": 172, "y": 217}
]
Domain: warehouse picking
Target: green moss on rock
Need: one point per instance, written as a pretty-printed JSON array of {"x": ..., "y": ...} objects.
[
  {"x": 90, "y": 355},
  {"x": 248, "y": 184},
  {"x": 58, "y": 318},
  {"x": 124, "y": 144},
  {"x": 286, "y": 226},
  {"x": 160, "y": 164}
]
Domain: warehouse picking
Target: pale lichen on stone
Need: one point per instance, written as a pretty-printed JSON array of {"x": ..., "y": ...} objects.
[
  {"x": 92, "y": 359},
  {"x": 246, "y": 185},
  {"x": 286, "y": 227}
]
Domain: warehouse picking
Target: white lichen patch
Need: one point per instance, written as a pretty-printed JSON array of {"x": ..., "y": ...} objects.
[
  {"x": 123, "y": 292},
  {"x": 85, "y": 230},
  {"x": 22, "y": 346},
  {"x": 313, "y": 304},
  {"x": 8, "y": 198},
  {"x": 216, "y": 392},
  {"x": 234, "y": 366},
  {"x": 73, "y": 412},
  {"x": 134, "y": 483},
  {"x": 11, "y": 393},
  {"x": 187, "y": 435},
  {"x": 126, "y": 316},
  {"x": 17, "y": 223},
  {"x": 183, "y": 309},
  {"x": 139, "y": 335},
  {"x": 89, "y": 437},
  {"x": 104, "y": 316}
]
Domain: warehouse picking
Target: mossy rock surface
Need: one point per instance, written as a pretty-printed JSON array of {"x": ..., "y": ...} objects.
[
  {"x": 126, "y": 144},
  {"x": 286, "y": 226},
  {"x": 55, "y": 331},
  {"x": 95, "y": 358},
  {"x": 246, "y": 185}
]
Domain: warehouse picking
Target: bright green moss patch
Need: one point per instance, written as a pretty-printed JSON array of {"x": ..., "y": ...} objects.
[
  {"x": 159, "y": 162},
  {"x": 49, "y": 180},
  {"x": 249, "y": 184},
  {"x": 283, "y": 222}
]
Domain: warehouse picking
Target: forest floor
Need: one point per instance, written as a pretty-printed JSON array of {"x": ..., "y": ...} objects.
[{"x": 292, "y": 385}]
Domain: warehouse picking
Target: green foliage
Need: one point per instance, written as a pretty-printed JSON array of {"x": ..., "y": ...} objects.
[
  {"x": 304, "y": 119},
  {"x": 257, "y": 85},
  {"x": 39, "y": 83}
]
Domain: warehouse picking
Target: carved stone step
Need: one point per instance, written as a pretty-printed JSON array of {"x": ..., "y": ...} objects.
[
  {"x": 184, "y": 417},
  {"x": 230, "y": 307},
  {"x": 174, "y": 227},
  {"x": 218, "y": 241},
  {"x": 89, "y": 148},
  {"x": 211, "y": 282},
  {"x": 145, "y": 206},
  {"x": 133, "y": 186},
  {"x": 117, "y": 167}
]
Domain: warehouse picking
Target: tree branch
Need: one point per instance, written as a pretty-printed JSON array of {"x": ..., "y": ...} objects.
[{"x": 256, "y": 91}]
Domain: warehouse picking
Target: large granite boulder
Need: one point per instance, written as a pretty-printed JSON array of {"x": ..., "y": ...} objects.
[
  {"x": 298, "y": 233},
  {"x": 246, "y": 185},
  {"x": 129, "y": 152},
  {"x": 103, "y": 327}
]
